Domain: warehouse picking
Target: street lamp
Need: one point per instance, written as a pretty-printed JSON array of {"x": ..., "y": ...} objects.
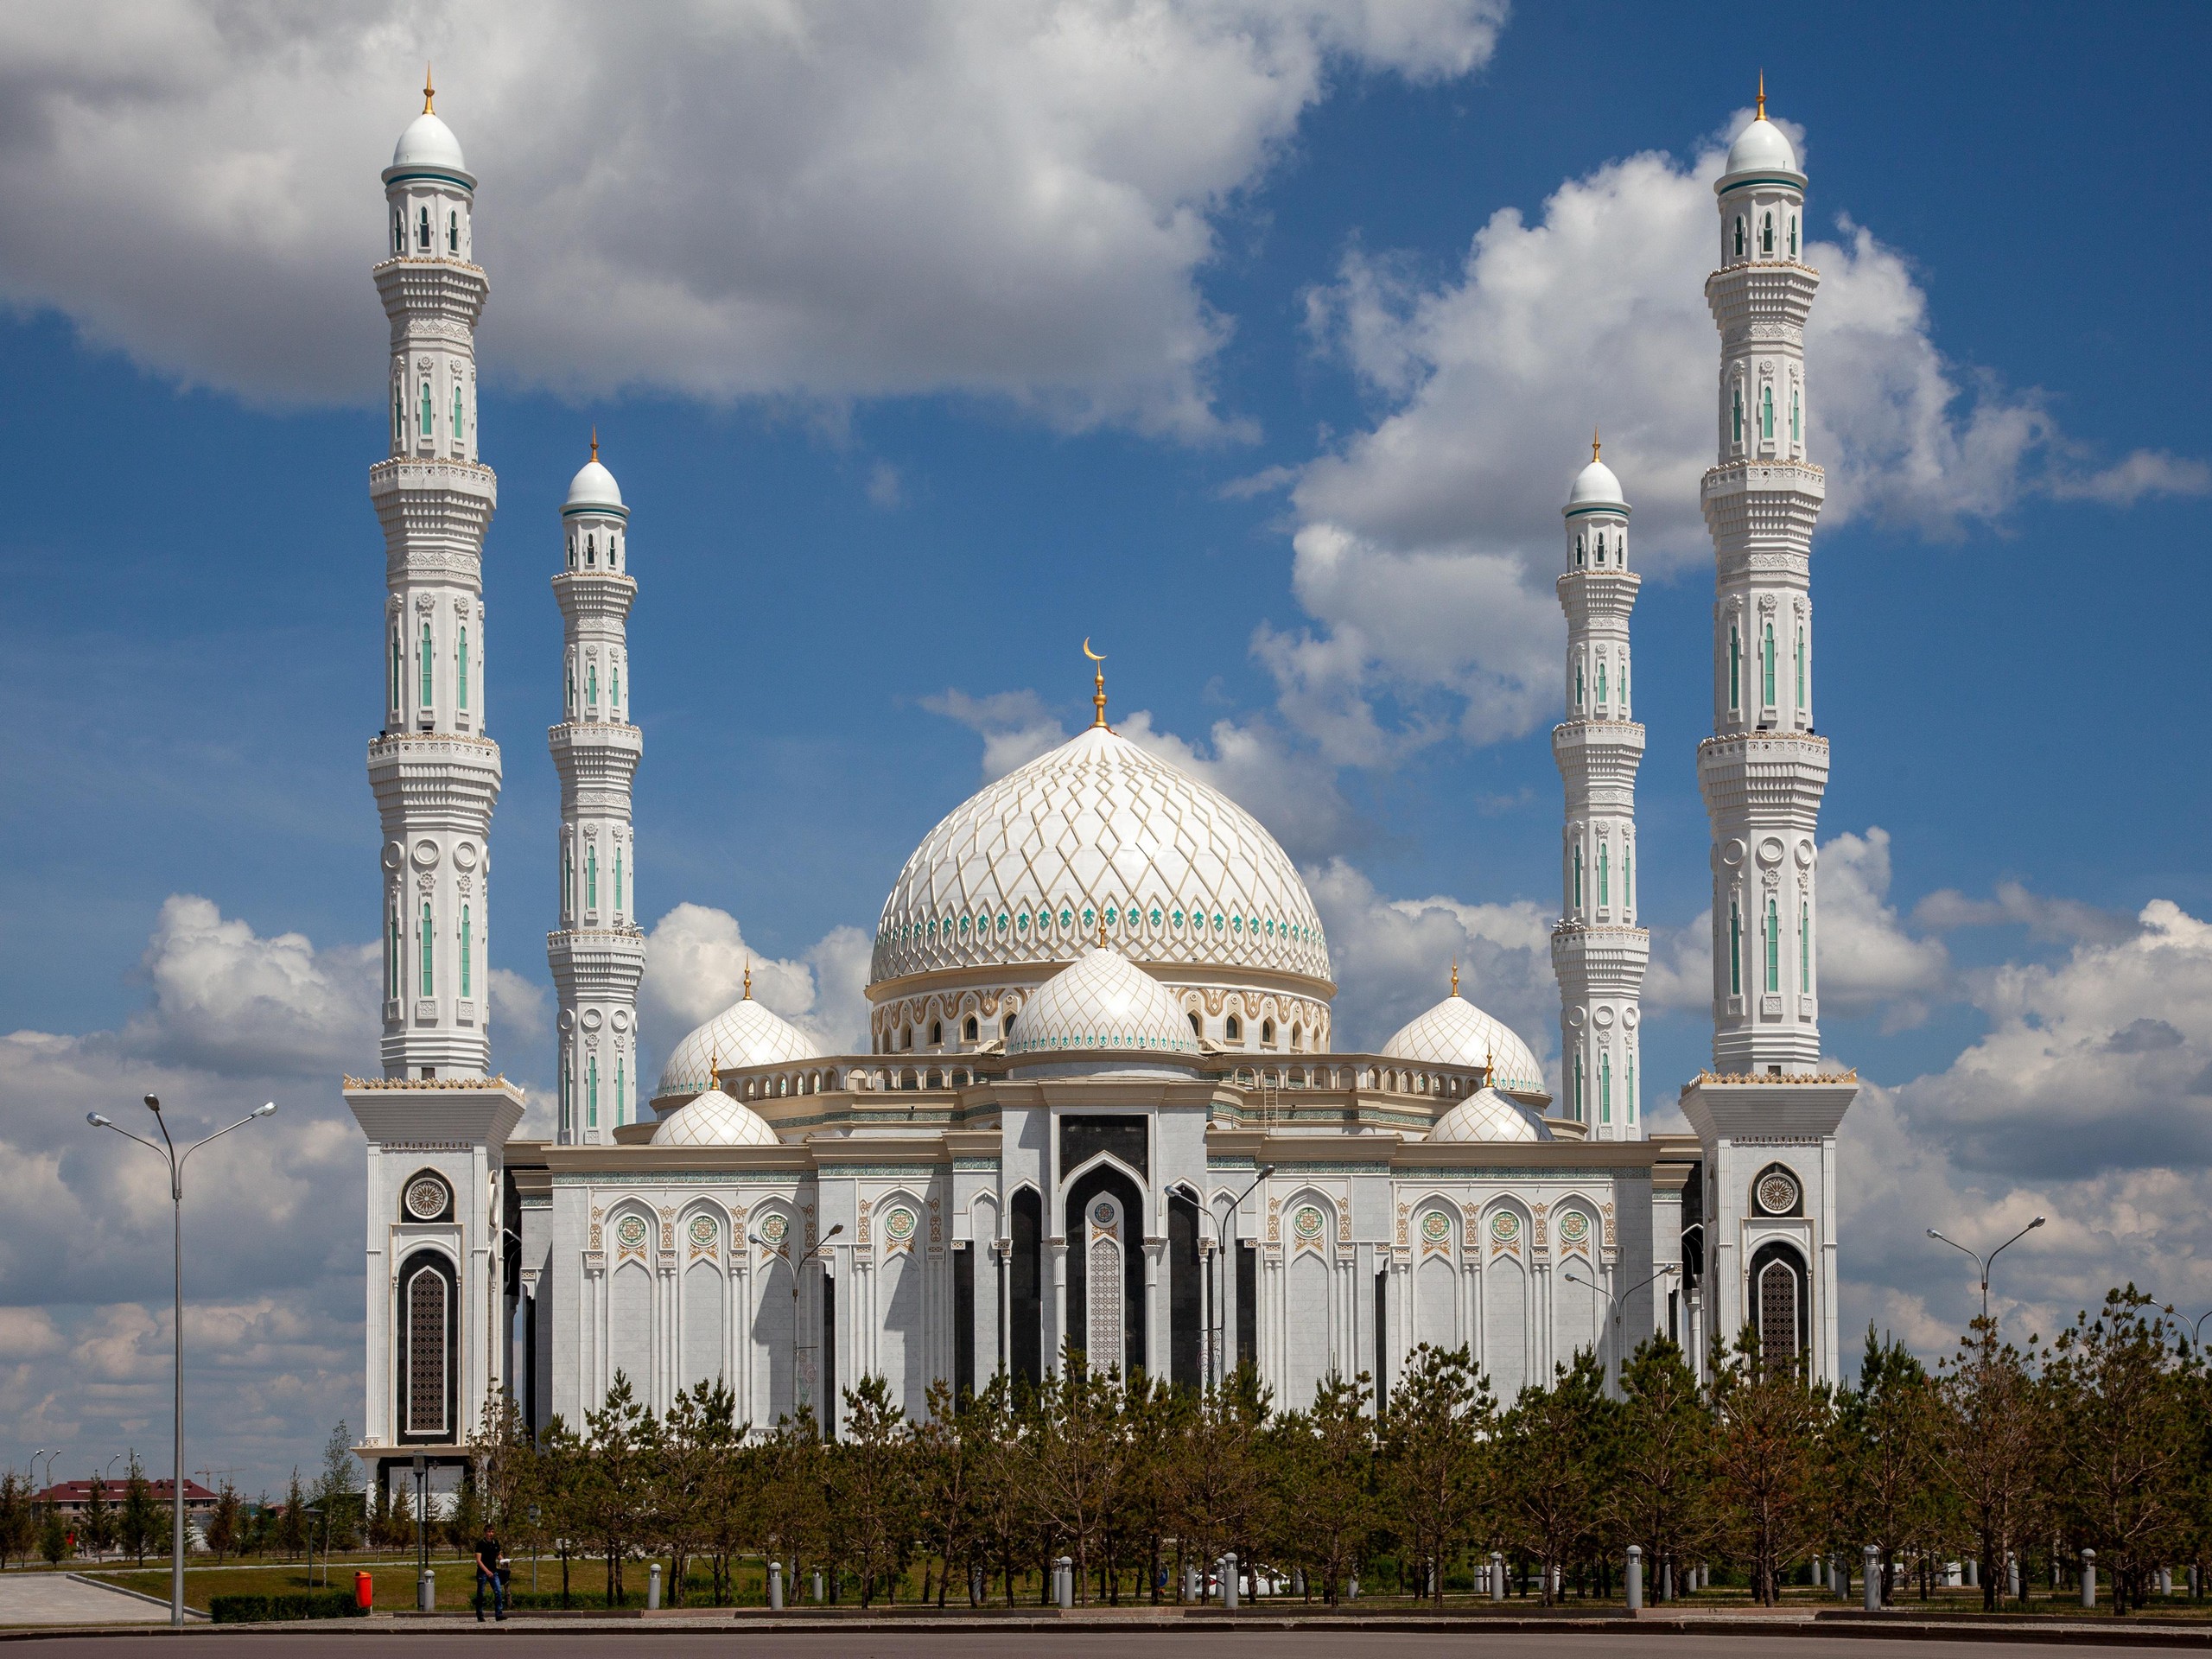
[
  {"x": 797, "y": 1262},
  {"x": 1984, "y": 1261},
  {"x": 176, "y": 1162},
  {"x": 1213, "y": 1279},
  {"x": 1615, "y": 1299}
]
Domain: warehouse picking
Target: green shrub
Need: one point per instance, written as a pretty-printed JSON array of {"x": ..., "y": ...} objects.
[{"x": 304, "y": 1603}]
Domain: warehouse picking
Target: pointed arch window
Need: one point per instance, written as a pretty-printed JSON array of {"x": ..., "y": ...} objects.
[
  {"x": 427, "y": 667},
  {"x": 423, "y": 229},
  {"x": 1601, "y": 682},
  {"x": 1740, "y": 236},
  {"x": 1623, "y": 685},
  {"x": 399, "y": 232},
  {"x": 1577, "y": 1085},
  {"x": 572, "y": 691},
  {"x": 1601, "y": 547},
  {"x": 426, "y": 415},
  {"x": 591, "y": 686},
  {"x": 466, "y": 941},
  {"x": 1605, "y": 1087},
  {"x": 591, "y": 1092},
  {"x": 1766, "y": 666},
  {"x": 1773, "y": 946},
  {"x": 1578, "y": 877},
  {"x": 568, "y": 1105},
  {"x": 618, "y": 881},
  {"x": 1735, "y": 669},
  {"x": 591, "y": 878},
  {"x": 460, "y": 672},
  {"x": 399, "y": 671},
  {"x": 429, "y": 983},
  {"x": 1793, "y": 236},
  {"x": 457, "y": 422},
  {"x": 1796, "y": 424},
  {"x": 615, "y": 684},
  {"x": 1628, "y": 878},
  {"x": 1805, "y": 945},
  {"x": 395, "y": 954},
  {"x": 1735, "y": 415},
  {"x": 1581, "y": 553},
  {"x": 453, "y": 232},
  {"x": 1766, "y": 413},
  {"x": 398, "y": 413},
  {"x": 621, "y": 1090},
  {"x": 1766, "y": 234},
  {"x": 1735, "y": 949},
  {"x": 1801, "y": 665},
  {"x": 1604, "y": 876},
  {"x": 568, "y": 878},
  {"x": 1578, "y": 682},
  {"x": 1631, "y": 1085}
]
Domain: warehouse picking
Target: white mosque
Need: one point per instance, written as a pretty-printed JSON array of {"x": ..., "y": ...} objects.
[{"x": 1101, "y": 1108}]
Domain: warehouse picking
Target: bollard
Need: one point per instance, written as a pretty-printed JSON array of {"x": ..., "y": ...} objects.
[
  {"x": 1497, "y": 1575},
  {"x": 652, "y": 1589},
  {"x": 817, "y": 1584},
  {"x": 1065, "y": 1580},
  {"x": 426, "y": 1592},
  {"x": 1872, "y": 1569},
  {"x": 1228, "y": 1585},
  {"x": 1973, "y": 1575},
  {"x": 2089, "y": 1577},
  {"x": 1635, "y": 1578},
  {"x": 2012, "y": 1576},
  {"x": 2166, "y": 1580},
  {"x": 1820, "y": 1572},
  {"x": 776, "y": 1587},
  {"x": 1666, "y": 1581}
]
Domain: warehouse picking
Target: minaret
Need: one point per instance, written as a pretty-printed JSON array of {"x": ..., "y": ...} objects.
[
  {"x": 1599, "y": 952},
  {"x": 436, "y": 1127},
  {"x": 598, "y": 953},
  {"x": 1766, "y": 1116},
  {"x": 435, "y": 773}
]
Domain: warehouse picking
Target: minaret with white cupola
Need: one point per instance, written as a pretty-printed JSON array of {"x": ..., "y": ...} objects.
[
  {"x": 1766, "y": 1113},
  {"x": 598, "y": 951},
  {"x": 1599, "y": 952},
  {"x": 435, "y": 771}
]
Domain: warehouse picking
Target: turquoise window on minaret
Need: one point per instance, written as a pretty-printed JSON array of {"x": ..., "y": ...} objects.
[
  {"x": 1578, "y": 682},
  {"x": 1767, "y": 665},
  {"x": 1605, "y": 1087},
  {"x": 591, "y": 686},
  {"x": 572, "y": 691},
  {"x": 1773, "y": 947},
  {"x": 426, "y": 407},
  {"x": 1794, "y": 425},
  {"x": 1624, "y": 687},
  {"x": 456, "y": 414},
  {"x": 1628, "y": 878},
  {"x": 1601, "y": 682},
  {"x": 1604, "y": 876},
  {"x": 466, "y": 939},
  {"x": 615, "y": 686},
  {"x": 399, "y": 671},
  {"x": 1805, "y": 945},
  {"x": 1735, "y": 415},
  {"x": 1735, "y": 669},
  {"x": 621, "y": 1094},
  {"x": 428, "y": 666},
  {"x": 1578, "y": 878},
  {"x": 1577, "y": 1085},
  {"x": 618, "y": 881},
  {"x": 591, "y": 878},
  {"x": 1801, "y": 665},
  {"x": 422, "y": 228},
  {"x": 395, "y": 954},
  {"x": 1766, "y": 413},
  {"x": 1735, "y": 949},
  {"x": 1631, "y": 1085},
  {"x": 591, "y": 1093},
  {"x": 399, "y": 416},
  {"x": 460, "y": 672},
  {"x": 429, "y": 977}
]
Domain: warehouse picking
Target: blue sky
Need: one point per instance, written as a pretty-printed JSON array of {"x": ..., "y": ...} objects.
[{"x": 929, "y": 443}]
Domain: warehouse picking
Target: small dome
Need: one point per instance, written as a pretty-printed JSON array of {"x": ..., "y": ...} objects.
[
  {"x": 745, "y": 1034},
  {"x": 1457, "y": 1033},
  {"x": 593, "y": 486},
  {"x": 1484, "y": 1116},
  {"x": 429, "y": 141},
  {"x": 713, "y": 1119},
  {"x": 1762, "y": 148},
  {"x": 1104, "y": 1001},
  {"x": 1596, "y": 486}
]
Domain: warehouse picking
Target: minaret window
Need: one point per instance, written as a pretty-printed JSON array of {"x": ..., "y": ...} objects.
[
  {"x": 591, "y": 551},
  {"x": 1735, "y": 670},
  {"x": 399, "y": 232},
  {"x": 572, "y": 691},
  {"x": 399, "y": 671},
  {"x": 429, "y": 940},
  {"x": 1631, "y": 1085},
  {"x": 566, "y": 1105},
  {"x": 423, "y": 229},
  {"x": 1601, "y": 682},
  {"x": 460, "y": 672},
  {"x": 1796, "y": 426},
  {"x": 1773, "y": 947},
  {"x": 1766, "y": 413},
  {"x": 591, "y": 1092},
  {"x": 591, "y": 686},
  {"x": 1766, "y": 234},
  {"x": 1736, "y": 415},
  {"x": 1577, "y": 1085},
  {"x": 591, "y": 878},
  {"x": 1801, "y": 666},
  {"x": 1805, "y": 945},
  {"x": 466, "y": 941},
  {"x": 453, "y": 232},
  {"x": 398, "y": 413},
  {"x": 428, "y": 668},
  {"x": 615, "y": 684},
  {"x": 1628, "y": 880},
  {"x": 1578, "y": 682},
  {"x": 426, "y": 416},
  {"x": 621, "y": 1093},
  {"x": 1578, "y": 878},
  {"x": 1793, "y": 236},
  {"x": 1735, "y": 949},
  {"x": 1605, "y": 875},
  {"x": 1624, "y": 687},
  {"x": 618, "y": 881},
  {"x": 568, "y": 878},
  {"x": 1740, "y": 236},
  {"x": 395, "y": 954},
  {"x": 1581, "y": 553},
  {"x": 1766, "y": 665},
  {"x": 456, "y": 417},
  {"x": 1606, "y": 1088},
  {"x": 1601, "y": 547},
  {"x": 1234, "y": 1030}
]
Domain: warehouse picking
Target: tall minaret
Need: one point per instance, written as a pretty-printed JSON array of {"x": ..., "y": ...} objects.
[
  {"x": 436, "y": 1127},
  {"x": 1597, "y": 950},
  {"x": 598, "y": 953},
  {"x": 1765, "y": 1114},
  {"x": 435, "y": 773}
]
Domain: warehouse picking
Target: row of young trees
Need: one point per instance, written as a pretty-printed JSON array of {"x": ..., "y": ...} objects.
[{"x": 2102, "y": 1439}]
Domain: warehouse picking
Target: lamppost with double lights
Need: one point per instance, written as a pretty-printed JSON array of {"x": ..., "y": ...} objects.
[
  {"x": 1616, "y": 1299},
  {"x": 176, "y": 1162},
  {"x": 775, "y": 1248},
  {"x": 1213, "y": 1279},
  {"x": 1985, "y": 1261}
]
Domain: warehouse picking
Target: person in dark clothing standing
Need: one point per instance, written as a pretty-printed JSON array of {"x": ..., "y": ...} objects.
[{"x": 487, "y": 1572}]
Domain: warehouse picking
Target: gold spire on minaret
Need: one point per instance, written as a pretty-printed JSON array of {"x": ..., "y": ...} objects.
[
  {"x": 748, "y": 980},
  {"x": 1762, "y": 115},
  {"x": 1097, "y": 686},
  {"x": 1455, "y": 976},
  {"x": 430, "y": 93},
  {"x": 1593, "y": 444},
  {"x": 595, "y": 442}
]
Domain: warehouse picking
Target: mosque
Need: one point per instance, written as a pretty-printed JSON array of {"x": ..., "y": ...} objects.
[{"x": 1101, "y": 1112}]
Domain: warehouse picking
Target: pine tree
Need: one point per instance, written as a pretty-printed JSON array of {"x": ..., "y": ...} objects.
[
  {"x": 1767, "y": 1465},
  {"x": 293, "y": 1533},
  {"x": 223, "y": 1524},
  {"x": 1433, "y": 1460},
  {"x": 1659, "y": 1498},
  {"x": 142, "y": 1517},
  {"x": 98, "y": 1520}
]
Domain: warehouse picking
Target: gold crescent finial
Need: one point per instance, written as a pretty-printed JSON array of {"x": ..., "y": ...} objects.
[
  {"x": 595, "y": 442},
  {"x": 1593, "y": 444},
  {"x": 1097, "y": 686},
  {"x": 1761, "y": 116},
  {"x": 1455, "y": 976},
  {"x": 713, "y": 1065},
  {"x": 748, "y": 979},
  {"x": 430, "y": 93}
]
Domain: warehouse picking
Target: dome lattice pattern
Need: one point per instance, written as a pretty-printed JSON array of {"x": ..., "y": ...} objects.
[
  {"x": 1099, "y": 833},
  {"x": 744, "y": 1034},
  {"x": 713, "y": 1119},
  {"x": 1484, "y": 1116},
  {"x": 1104, "y": 1001},
  {"x": 1457, "y": 1033}
]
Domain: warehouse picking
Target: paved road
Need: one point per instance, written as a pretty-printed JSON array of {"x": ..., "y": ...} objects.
[
  {"x": 56, "y": 1599},
  {"x": 638, "y": 1640}
]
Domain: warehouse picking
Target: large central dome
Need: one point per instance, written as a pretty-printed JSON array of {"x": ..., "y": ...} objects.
[{"x": 1099, "y": 832}]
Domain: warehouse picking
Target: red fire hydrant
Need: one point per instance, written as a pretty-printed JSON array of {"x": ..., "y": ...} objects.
[{"x": 364, "y": 1591}]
